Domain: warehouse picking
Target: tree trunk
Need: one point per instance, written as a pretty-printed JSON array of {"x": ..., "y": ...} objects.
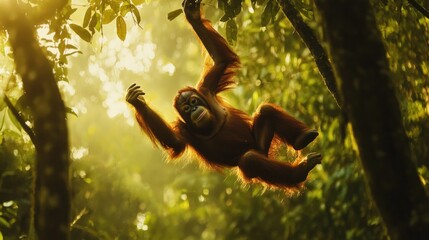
[
  {"x": 51, "y": 192},
  {"x": 362, "y": 70}
]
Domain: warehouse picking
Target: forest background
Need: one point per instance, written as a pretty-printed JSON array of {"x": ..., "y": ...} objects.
[{"x": 373, "y": 121}]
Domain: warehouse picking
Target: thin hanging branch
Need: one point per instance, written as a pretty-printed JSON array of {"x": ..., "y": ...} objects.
[
  {"x": 419, "y": 8},
  {"x": 316, "y": 49},
  {"x": 21, "y": 120}
]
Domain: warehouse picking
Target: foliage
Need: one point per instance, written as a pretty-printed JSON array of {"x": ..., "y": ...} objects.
[
  {"x": 100, "y": 13},
  {"x": 123, "y": 188},
  {"x": 15, "y": 184},
  {"x": 410, "y": 69}
]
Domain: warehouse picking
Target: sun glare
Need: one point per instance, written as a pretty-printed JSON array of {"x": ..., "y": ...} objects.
[
  {"x": 114, "y": 100},
  {"x": 168, "y": 68},
  {"x": 136, "y": 55},
  {"x": 132, "y": 54},
  {"x": 140, "y": 222},
  {"x": 78, "y": 153}
]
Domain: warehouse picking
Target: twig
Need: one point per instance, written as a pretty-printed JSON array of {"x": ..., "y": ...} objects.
[
  {"x": 419, "y": 8},
  {"x": 319, "y": 54},
  {"x": 21, "y": 121}
]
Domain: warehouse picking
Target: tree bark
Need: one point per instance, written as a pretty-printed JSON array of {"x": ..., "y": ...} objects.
[
  {"x": 51, "y": 192},
  {"x": 313, "y": 44},
  {"x": 359, "y": 60}
]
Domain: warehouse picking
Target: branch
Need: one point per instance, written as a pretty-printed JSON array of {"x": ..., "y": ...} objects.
[
  {"x": 21, "y": 121},
  {"x": 419, "y": 8},
  {"x": 316, "y": 49}
]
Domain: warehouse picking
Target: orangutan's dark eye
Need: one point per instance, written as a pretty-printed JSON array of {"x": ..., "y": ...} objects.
[
  {"x": 193, "y": 101},
  {"x": 186, "y": 108}
]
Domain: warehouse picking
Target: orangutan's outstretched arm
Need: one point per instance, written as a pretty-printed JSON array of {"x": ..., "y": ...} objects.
[
  {"x": 218, "y": 76},
  {"x": 159, "y": 132}
]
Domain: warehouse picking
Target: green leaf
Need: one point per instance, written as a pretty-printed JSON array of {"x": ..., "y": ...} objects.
[
  {"x": 269, "y": 13},
  {"x": 236, "y": 7},
  {"x": 115, "y": 5},
  {"x": 70, "y": 111},
  {"x": 224, "y": 18},
  {"x": 22, "y": 102},
  {"x": 70, "y": 46},
  {"x": 125, "y": 9},
  {"x": 65, "y": 33},
  {"x": 4, "y": 223},
  {"x": 221, "y": 4},
  {"x": 81, "y": 32},
  {"x": 174, "y": 14},
  {"x": 121, "y": 28},
  {"x": 62, "y": 47},
  {"x": 266, "y": 14},
  {"x": 108, "y": 16},
  {"x": 136, "y": 13},
  {"x": 137, "y": 2},
  {"x": 231, "y": 31},
  {"x": 71, "y": 53},
  {"x": 93, "y": 22},
  {"x": 275, "y": 8},
  {"x": 87, "y": 17},
  {"x": 229, "y": 11},
  {"x": 69, "y": 11}
]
